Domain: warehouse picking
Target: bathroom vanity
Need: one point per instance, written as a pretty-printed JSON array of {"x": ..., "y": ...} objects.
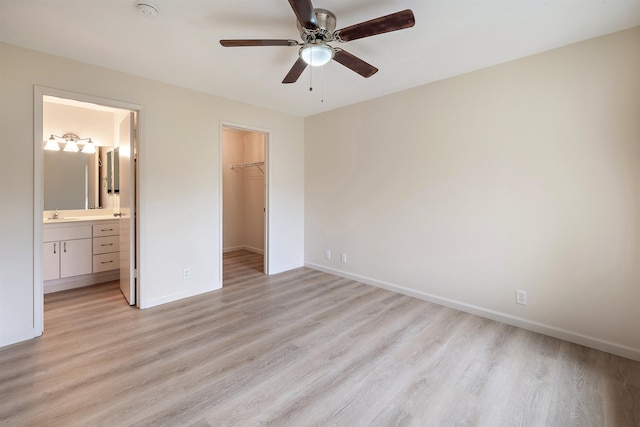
[{"x": 80, "y": 251}]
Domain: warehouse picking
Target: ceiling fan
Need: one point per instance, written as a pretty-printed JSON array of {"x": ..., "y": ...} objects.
[{"x": 318, "y": 27}]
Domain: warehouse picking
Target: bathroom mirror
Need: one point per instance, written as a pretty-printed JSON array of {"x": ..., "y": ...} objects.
[
  {"x": 80, "y": 180},
  {"x": 70, "y": 180}
]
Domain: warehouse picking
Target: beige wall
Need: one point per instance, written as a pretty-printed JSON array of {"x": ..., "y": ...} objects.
[
  {"x": 525, "y": 176},
  {"x": 254, "y": 197},
  {"x": 233, "y": 190},
  {"x": 179, "y": 180}
]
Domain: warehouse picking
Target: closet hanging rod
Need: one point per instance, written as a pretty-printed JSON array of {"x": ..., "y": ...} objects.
[{"x": 247, "y": 165}]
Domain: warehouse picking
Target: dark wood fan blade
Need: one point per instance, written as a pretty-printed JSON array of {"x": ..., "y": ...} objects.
[
  {"x": 266, "y": 42},
  {"x": 295, "y": 71},
  {"x": 384, "y": 24},
  {"x": 354, "y": 63},
  {"x": 305, "y": 13}
]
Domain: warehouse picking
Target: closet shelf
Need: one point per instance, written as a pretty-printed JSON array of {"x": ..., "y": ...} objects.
[{"x": 259, "y": 165}]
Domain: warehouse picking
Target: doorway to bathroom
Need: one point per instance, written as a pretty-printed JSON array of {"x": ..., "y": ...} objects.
[
  {"x": 244, "y": 201},
  {"x": 101, "y": 223}
]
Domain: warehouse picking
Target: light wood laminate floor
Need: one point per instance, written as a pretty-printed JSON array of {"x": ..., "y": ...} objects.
[{"x": 302, "y": 348}]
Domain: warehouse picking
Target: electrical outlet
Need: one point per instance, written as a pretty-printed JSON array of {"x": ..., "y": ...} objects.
[
  {"x": 327, "y": 254},
  {"x": 186, "y": 273},
  {"x": 343, "y": 258},
  {"x": 521, "y": 297}
]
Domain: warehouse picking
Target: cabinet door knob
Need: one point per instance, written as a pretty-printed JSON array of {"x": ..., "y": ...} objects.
[
  {"x": 54, "y": 248},
  {"x": 65, "y": 246}
]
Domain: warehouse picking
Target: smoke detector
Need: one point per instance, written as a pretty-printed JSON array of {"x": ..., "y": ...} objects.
[{"x": 147, "y": 9}]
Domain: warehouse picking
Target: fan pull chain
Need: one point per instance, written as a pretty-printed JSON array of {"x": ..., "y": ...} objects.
[
  {"x": 311, "y": 73},
  {"x": 322, "y": 85}
]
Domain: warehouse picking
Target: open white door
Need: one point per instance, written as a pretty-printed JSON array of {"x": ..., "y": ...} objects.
[{"x": 127, "y": 189}]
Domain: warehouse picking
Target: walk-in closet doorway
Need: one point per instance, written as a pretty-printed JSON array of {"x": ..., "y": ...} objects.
[{"x": 244, "y": 195}]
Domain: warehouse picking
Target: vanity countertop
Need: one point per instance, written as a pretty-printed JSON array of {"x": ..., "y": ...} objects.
[{"x": 85, "y": 218}]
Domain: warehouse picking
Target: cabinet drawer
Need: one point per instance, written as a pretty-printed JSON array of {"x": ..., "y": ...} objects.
[
  {"x": 106, "y": 229},
  {"x": 106, "y": 262},
  {"x": 103, "y": 245}
]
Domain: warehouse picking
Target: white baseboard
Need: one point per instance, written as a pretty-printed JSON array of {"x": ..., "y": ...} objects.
[
  {"x": 178, "y": 296},
  {"x": 16, "y": 337},
  {"x": 254, "y": 250},
  {"x": 552, "y": 331},
  {"x": 57, "y": 285}
]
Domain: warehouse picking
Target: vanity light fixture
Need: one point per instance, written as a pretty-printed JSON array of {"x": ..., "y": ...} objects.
[{"x": 71, "y": 141}]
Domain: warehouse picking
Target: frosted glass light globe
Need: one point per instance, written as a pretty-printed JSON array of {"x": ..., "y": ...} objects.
[{"x": 316, "y": 55}]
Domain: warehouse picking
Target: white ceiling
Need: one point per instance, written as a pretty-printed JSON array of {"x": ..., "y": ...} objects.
[{"x": 180, "y": 45}]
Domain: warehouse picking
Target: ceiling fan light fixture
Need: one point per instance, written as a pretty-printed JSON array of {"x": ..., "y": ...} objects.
[
  {"x": 316, "y": 55},
  {"x": 317, "y": 27}
]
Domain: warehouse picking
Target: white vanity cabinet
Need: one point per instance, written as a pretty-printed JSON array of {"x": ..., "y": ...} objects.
[
  {"x": 80, "y": 252},
  {"x": 67, "y": 251}
]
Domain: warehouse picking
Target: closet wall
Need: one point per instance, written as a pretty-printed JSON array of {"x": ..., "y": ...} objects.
[{"x": 243, "y": 191}]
